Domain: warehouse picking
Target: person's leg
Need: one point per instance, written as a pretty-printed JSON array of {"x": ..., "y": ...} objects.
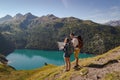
[
  {"x": 69, "y": 64},
  {"x": 66, "y": 64},
  {"x": 76, "y": 54},
  {"x": 76, "y": 59}
]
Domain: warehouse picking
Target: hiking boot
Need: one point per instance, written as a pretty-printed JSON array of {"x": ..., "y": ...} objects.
[{"x": 76, "y": 66}]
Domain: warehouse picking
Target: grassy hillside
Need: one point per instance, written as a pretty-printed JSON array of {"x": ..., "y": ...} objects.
[{"x": 102, "y": 67}]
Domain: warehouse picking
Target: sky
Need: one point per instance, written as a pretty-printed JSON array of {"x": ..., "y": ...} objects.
[{"x": 99, "y": 11}]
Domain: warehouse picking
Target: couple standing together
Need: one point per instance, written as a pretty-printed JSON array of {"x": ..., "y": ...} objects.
[{"x": 71, "y": 45}]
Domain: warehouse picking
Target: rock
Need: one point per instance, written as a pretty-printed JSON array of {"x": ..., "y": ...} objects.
[{"x": 3, "y": 60}]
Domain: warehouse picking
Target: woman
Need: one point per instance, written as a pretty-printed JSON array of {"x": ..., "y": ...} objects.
[{"x": 68, "y": 50}]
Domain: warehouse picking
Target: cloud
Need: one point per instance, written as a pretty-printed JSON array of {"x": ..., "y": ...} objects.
[
  {"x": 102, "y": 16},
  {"x": 116, "y": 8},
  {"x": 115, "y": 11},
  {"x": 65, "y": 3}
]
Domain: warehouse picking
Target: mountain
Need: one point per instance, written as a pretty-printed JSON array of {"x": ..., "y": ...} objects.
[
  {"x": 32, "y": 32},
  {"x": 29, "y": 16},
  {"x": 18, "y": 16},
  {"x": 6, "y": 46},
  {"x": 113, "y": 23},
  {"x": 27, "y": 19},
  {"x": 5, "y": 18},
  {"x": 19, "y": 19}
]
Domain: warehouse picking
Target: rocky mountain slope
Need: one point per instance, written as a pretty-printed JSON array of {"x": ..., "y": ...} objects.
[
  {"x": 5, "y": 18},
  {"x": 6, "y": 46},
  {"x": 32, "y": 32}
]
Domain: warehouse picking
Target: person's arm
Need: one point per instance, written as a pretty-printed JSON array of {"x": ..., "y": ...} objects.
[{"x": 64, "y": 49}]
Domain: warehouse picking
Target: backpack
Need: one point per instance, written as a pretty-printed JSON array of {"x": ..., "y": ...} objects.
[
  {"x": 80, "y": 42},
  {"x": 69, "y": 48}
]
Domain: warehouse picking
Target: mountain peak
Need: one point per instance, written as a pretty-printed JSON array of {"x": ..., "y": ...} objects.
[
  {"x": 17, "y": 16},
  {"x": 48, "y": 17},
  {"x": 5, "y": 18},
  {"x": 51, "y": 15},
  {"x": 8, "y": 16},
  {"x": 28, "y": 13},
  {"x": 30, "y": 16}
]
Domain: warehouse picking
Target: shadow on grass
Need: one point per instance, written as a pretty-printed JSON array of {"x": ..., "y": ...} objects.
[{"x": 103, "y": 65}]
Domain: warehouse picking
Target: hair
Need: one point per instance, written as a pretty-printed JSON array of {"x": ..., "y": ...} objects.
[
  {"x": 72, "y": 34},
  {"x": 66, "y": 40}
]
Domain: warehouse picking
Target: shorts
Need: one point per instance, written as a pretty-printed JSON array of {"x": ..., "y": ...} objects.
[
  {"x": 76, "y": 52},
  {"x": 66, "y": 55}
]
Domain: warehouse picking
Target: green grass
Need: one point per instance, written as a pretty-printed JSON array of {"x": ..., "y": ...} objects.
[
  {"x": 52, "y": 72},
  {"x": 90, "y": 61}
]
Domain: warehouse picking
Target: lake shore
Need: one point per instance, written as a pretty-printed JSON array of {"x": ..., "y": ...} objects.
[{"x": 21, "y": 59}]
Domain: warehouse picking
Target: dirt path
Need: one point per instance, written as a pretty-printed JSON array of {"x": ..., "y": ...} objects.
[
  {"x": 99, "y": 73},
  {"x": 97, "y": 69}
]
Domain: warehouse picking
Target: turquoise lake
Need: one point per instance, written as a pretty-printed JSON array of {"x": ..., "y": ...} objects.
[{"x": 26, "y": 59}]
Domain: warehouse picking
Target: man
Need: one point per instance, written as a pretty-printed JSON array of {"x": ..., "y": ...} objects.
[{"x": 76, "y": 48}]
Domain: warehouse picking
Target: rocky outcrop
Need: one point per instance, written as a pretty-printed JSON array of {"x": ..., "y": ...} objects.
[{"x": 3, "y": 60}]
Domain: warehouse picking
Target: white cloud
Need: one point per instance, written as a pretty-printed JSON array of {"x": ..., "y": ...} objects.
[
  {"x": 115, "y": 8},
  {"x": 65, "y": 3},
  {"x": 99, "y": 16},
  {"x": 115, "y": 11}
]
